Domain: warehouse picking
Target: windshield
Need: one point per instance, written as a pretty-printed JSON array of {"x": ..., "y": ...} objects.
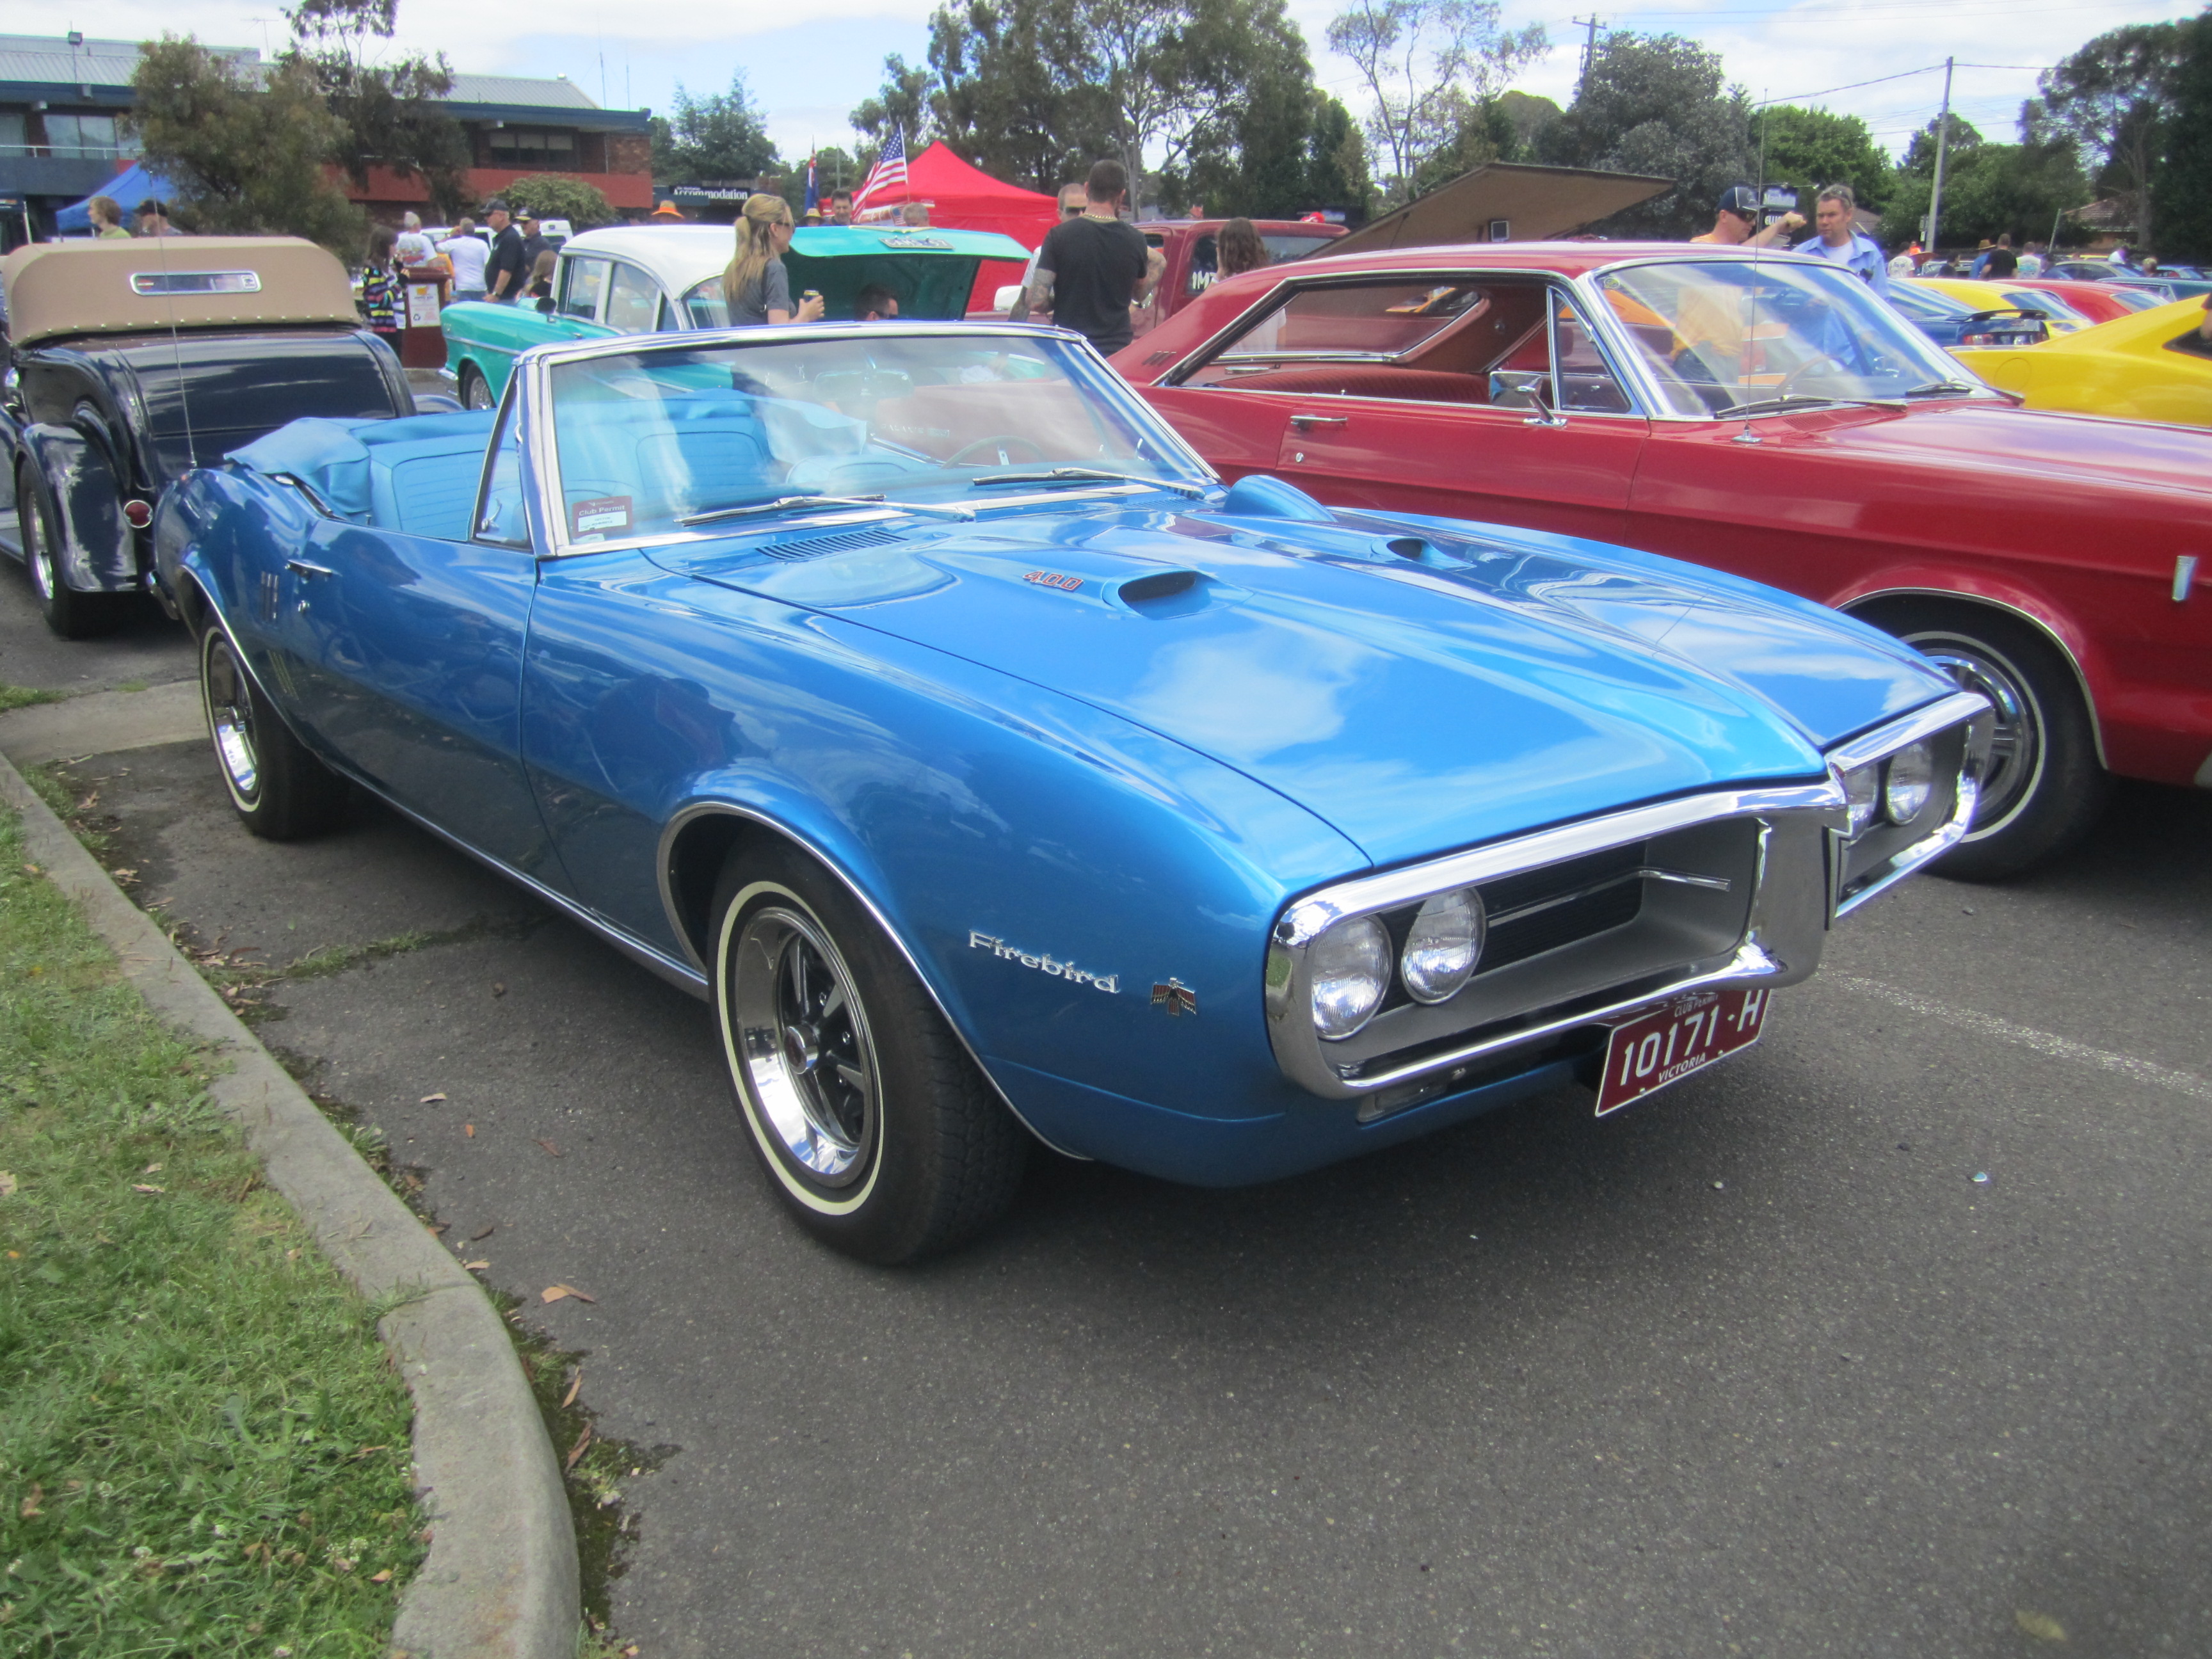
[
  {"x": 658, "y": 441},
  {"x": 1735, "y": 335}
]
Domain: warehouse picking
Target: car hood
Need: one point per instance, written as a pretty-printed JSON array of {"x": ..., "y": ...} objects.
[
  {"x": 2016, "y": 452},
  {"x": 1440, "y": 693}
]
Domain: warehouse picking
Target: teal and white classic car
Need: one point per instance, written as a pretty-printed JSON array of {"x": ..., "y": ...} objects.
[{"x": 647, "y": 279}]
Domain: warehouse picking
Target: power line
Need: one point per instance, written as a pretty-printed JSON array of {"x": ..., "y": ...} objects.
[{"x": 1904, "y": 75}]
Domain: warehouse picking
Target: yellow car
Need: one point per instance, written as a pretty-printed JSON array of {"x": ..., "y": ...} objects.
[
  {"x": 1985, "y": 295},
  {"x": 2153, "y": 366}
]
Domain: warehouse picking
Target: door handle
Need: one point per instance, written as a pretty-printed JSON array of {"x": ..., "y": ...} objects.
[
  {"x": 304, "y": 567},
  {"x": 1319, "y": 419}
]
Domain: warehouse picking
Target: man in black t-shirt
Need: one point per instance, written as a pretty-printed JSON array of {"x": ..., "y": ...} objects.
[
  {"x": 507, "y": 270},
  {"x": 1092, "y": 269}
]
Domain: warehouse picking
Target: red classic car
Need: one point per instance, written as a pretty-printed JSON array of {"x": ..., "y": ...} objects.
[{"x": 1767, "y": 415}]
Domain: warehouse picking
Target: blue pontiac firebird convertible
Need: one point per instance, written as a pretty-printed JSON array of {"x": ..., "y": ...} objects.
[{"x": 918, "y": 698}]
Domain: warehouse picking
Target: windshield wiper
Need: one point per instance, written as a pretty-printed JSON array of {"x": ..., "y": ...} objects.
[
  {"x": 786, "y": 503},
  {"x": 1938, "y": 388},
  {"x": 1803, "y": 399},
  {"x": 1089, "y": 475}
]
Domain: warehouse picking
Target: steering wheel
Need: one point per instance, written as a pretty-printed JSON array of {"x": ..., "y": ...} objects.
[
  {"x": 1005, "y": 443},
  {"x": 1822, "y": 365}
]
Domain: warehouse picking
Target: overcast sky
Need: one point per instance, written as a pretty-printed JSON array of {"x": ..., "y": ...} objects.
[{"x": 809, "y": 75}]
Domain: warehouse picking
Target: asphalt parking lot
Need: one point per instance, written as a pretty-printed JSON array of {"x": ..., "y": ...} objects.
[{"x": 1888, "y": 1337}]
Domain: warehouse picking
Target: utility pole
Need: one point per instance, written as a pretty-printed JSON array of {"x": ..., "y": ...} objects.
[
  {"x": 1593, "y": 23},
  {"x": 1942, "y": 140}
]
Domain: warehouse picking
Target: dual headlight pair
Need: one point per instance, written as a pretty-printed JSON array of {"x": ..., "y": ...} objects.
[
  {"x": 1897, "y": 787},
  {"x": 1352, "y": 964}
]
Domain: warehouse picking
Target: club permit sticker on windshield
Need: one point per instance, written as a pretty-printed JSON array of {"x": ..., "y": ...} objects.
[{"x": 595, "y": 522}]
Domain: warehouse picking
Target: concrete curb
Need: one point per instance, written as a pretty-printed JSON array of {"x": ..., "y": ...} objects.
[{"x": 500, "y": 1582}]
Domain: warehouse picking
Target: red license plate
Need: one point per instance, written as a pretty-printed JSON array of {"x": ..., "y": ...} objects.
[{"x": 1682, "y": 1035}]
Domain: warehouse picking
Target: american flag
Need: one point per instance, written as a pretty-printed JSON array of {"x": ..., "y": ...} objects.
[{"x": 889, "y": 170}]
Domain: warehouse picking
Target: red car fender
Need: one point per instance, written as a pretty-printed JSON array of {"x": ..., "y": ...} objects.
[{"x": 2001, "y": 590}]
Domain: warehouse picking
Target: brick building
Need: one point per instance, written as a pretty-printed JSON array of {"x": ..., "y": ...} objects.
[{"x": 60, "y": 96}]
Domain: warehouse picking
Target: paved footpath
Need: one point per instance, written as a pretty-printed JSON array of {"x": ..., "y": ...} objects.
[{"x": 1758, "y": 1366}]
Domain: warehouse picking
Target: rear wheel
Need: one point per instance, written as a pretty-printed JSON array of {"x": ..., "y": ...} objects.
[
  {"x": 2044, "y": 789},
  {"x": 876, "y": 1129},
  {"x": 72, "y": 615},
  {"x": 475, "y": 394},
  {"x": 280, "y": 790}
]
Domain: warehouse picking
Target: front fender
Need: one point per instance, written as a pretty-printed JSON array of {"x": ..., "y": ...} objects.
[{"x": 98, "y": 552}]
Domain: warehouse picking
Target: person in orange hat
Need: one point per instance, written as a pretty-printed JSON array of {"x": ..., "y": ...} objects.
[{"x": 668, "y": 214}]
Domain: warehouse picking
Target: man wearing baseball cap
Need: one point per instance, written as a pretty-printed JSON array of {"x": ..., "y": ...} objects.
[
  {"x": 1735, "y": 223},
  {"x": 505, "y": 271}
]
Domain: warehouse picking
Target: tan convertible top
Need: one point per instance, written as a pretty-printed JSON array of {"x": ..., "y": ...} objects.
[{"x": 114, "y": 286}]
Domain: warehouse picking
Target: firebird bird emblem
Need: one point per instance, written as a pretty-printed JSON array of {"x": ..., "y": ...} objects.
[
  {"x": 1044, "y": 963},
  {"x": 1177, "y": 998}
]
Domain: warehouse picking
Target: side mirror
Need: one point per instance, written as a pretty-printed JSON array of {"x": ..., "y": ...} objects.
[{"x": 1548, "y": 409}]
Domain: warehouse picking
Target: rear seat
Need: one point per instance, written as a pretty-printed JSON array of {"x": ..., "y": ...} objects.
[{"x": 417, "y": 474}]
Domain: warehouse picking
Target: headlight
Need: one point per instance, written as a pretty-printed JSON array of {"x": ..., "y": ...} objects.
[
  {"x": 1862, "y": 787},
  {"x": 1351, "y": 971},
  {"x": 1444, "y": 946},
  {"x": 1909, "y": 779}
]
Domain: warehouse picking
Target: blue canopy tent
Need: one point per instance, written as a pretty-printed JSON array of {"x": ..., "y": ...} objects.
[{"x": 126, "y": 189}]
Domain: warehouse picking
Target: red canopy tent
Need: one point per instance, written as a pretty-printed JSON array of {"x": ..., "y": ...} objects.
[{"x": 963, "y": 197}]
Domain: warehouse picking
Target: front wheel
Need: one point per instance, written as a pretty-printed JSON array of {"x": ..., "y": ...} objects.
[
  {"x": 280, "y": 790},
  {"x": 876, "y": 1129},
  {"x": 2044, "y": 788}
]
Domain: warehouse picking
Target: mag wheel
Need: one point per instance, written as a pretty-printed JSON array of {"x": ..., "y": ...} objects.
[
  {"x": 876, "y": 1129},
  {"x": 2044, "y": 788},
  {"x": 279, "y": 788}
]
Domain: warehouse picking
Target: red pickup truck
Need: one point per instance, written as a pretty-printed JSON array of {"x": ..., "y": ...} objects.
[{"x": 1188, "y": 245}]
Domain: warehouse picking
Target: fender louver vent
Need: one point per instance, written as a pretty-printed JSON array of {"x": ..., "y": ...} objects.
[{"x": 813, "y": 547}]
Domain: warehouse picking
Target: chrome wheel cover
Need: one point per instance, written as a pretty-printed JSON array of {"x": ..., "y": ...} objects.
[
  {"x": 2017, "y": 752},
  {"x": 475, "y": 392},
  {"x": 802, "y": 1038},
  {"x": 230, "y": 719},
  {"x": 38, "y": 556}
]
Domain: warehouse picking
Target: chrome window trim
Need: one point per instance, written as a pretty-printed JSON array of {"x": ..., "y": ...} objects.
[
  {"x": 665, "y": 873},
  {"x": 537, "y": 364},
  {"x": 1607, "y": 321},
  {"x": 1215, "y": 347}
]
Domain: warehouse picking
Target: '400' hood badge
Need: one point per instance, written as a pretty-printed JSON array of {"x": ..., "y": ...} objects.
[{"x": 1044, "y": 963}]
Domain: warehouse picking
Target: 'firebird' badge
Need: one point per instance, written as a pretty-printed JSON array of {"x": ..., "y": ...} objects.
[
  {"x": 1177, "y": 998},
  {"x": 1045, "y": 962}
]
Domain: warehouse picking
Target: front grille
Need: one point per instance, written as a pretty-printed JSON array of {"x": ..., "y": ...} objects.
[
  {"x": 1541, "y": 910},
  {"x": 1572, "y": 933}
]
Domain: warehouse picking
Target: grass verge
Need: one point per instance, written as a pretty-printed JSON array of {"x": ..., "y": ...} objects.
[
  {"x": 204, "y": 1448},
  {"x": 22, "y": 696}
]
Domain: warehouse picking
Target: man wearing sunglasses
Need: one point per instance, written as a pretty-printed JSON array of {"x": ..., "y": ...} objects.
[{"x": 1072, "y": 198}]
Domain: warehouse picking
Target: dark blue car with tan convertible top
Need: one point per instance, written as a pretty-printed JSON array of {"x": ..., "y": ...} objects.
[
  {"x": 915, "y": 696},
  {"x": 129, "y": 361}
]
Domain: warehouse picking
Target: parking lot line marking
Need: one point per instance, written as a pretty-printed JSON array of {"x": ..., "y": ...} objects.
[{"x": 2027, "y": 1036}]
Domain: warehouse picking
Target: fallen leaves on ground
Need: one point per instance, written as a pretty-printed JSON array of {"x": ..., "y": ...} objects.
[
  {"x": 583, "y": 1443},
  {"x": 141, "y": 1187},
  {"x": 427, "y": 1099},
  {"x": 30, "y": 1509},
  {"x": 483, "y": 1233},
  {"x": 7, "y": 1185},
  {"x": 474, "y": 1267},
  {"x": 555, "y": 1292},
  {"x": 575, "y": 1384},
  {"x": 2041, "y": 1625},
  {"x": 550, "y": 1148},
  {"x": 470, "y": 1130}
]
